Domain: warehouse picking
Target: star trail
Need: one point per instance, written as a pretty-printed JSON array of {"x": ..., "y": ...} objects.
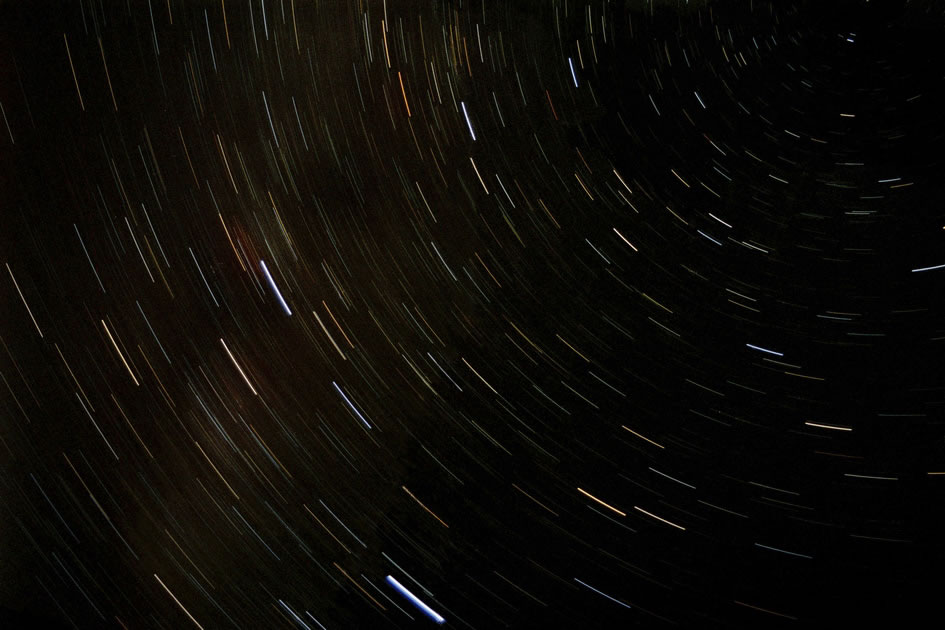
[{"x": 411, "y": 313}]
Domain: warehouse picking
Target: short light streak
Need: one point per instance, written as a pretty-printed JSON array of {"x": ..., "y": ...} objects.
[
  {"x": 28, "y": 309},
  {"x": 719, "y": 220},
  {"x": 624, "y": 239},
  {"x": 764, "y": 610},
  {"x": 330, "y": 338},
  {"x": 475, "y": 168},
  {"x": 442, "y": 522},
  {"x": 759, "y": 348},
  {"x": 790, "y": 553},
  {"x": 601, "y": 593},
  {"x": 480, "y": 376},
  {"x": 709, "y": 237},
  {"x": 292, "y": 612},
  {"x": 127, "y": 367},
  {"x": 672, "y": 478},
  {"x": 174, "y": 597},
  {"x": 402, "y": 91},
  {"x": 242, "y": 373},
  {"x": 351, "y": 404},
  {"x": 466, "y": 114},
  {"x": 642, "y": 437},
  {"x": 443, "y": 261},
  {"x": 74, "y": 77},
  {"x": 928, "y": 268},
  {"x": 275, "y": 289},
  {"x": 622, "y": 182},
  {"x": 573, "y": 75},
  {"x": 828, "y": 426},
  {"x": 360, "y": 588},
  {"x": 609, "y": 507},
  {"x": 426, "y": 610},
  {"x": 659, "y": 519},
  {"x": 871, "y": 477},
  {"x": 269, "y": 115}
]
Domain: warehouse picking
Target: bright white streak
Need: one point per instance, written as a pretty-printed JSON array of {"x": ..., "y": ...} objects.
[
  {"x": 929, "y": 268},
  {"x": 466, "y": 114},
  {"x": 275, "y": 289},
  {"x": 426, "y": 610},
  {"x": 779, "y": 354}
]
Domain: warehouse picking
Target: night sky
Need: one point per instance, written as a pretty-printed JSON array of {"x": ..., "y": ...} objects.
[{"x": 345, "y": 313}]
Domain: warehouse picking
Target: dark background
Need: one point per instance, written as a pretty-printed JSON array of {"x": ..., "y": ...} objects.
[{"x": 508, "y": 348}]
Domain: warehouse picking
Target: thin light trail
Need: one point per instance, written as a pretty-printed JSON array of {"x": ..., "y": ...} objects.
[
  {"x": 609, "y": 507},
  {"x": 72, "y": 67},
  {"x": 269, "y": 115},
  {"x": 28, "y": 309},
  {"x": 112, "y": 339},
  {"x": 82, "y": 243},
  {"x": 599, "y": 592},
  {"x": 197, "y": 264},
  {"x": 7, "y": 122},
  {"x": 153, "y": 334},
  {"x": 177, "y": 601},
  {"x": 760, "y": 349},
  {"x": 680, "y": 527},
  {"x": 933, "y": 268},
  {"x": 466, "y": 114},
  {"x": 330, "y": 338},
  {"x": 107, "y": 75},
  {"x": 95, "y": 424},
  {"x": 426, "y": 610},
  {"x": 275, "y": 289},
  {"x": 242, "y": 373},
  {"x": 351, "y": 404}
]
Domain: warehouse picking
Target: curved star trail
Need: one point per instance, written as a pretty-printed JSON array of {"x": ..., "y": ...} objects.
[{"x": 334, "y": 314}]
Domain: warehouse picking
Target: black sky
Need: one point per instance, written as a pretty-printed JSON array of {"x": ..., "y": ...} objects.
[{"x": 619, "y": 312}]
